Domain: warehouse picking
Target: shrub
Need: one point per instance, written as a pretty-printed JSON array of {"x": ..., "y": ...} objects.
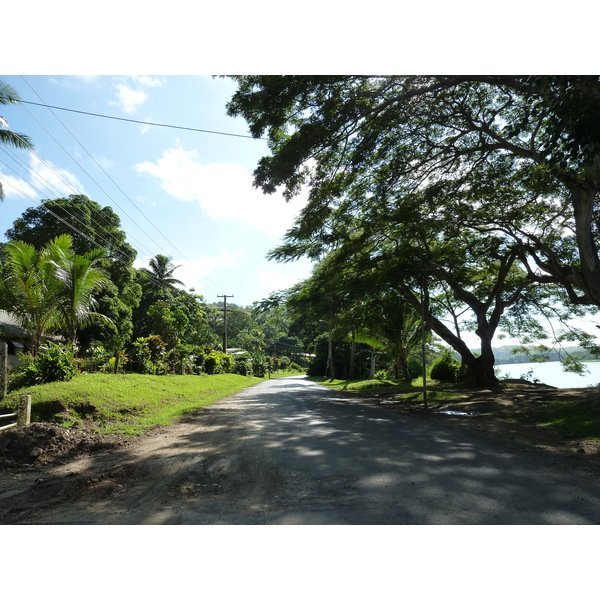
[
  {"x": 53, "y": 362},
  {"x": 148, "y": 356},
  {"x": 261, "y": 364},
  {"x": 226, "y": 363},
  {"x": 445, "y": 368},
  {"x": 218, "y": 362},
  {"x": 382, "y": 375},
  {"x": 242, "y": 365}
]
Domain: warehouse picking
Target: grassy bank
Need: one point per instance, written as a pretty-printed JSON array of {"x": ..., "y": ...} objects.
[
  {"x": 575, "y": 413},
  {"x": 125, "y": 404}
]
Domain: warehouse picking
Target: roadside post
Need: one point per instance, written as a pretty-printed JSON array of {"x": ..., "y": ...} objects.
[{"x": 24, "y": 413}]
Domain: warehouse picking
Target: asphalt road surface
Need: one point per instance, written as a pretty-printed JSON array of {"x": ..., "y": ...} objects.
[{"x": 289, "y": 451}]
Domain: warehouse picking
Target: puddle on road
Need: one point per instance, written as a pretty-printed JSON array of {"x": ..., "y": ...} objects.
[{"x": 455, "y": 413}]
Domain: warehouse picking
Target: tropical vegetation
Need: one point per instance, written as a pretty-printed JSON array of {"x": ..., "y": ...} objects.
[
  {"x": 473, "y": 198},
  {"x": 436, "y": 206}
]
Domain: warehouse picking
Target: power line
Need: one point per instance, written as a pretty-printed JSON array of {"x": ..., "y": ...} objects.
[
  {"x": 43, "y": 104},
  {"x": 91, "y": 114},
  {"x": 109, "y": 177},
  {"x": 101, "y": 168}
]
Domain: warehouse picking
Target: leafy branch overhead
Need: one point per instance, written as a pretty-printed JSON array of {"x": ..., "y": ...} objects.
[{"x": 480, "y": 188}]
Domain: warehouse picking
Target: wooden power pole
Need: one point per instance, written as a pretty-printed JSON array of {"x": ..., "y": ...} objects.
[{"x": 225, "y": 321}]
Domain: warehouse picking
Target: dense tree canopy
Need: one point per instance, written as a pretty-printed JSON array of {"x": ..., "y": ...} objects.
[
  {"x": 484, "y": 187},
  {"x": 90, "y": 227}
]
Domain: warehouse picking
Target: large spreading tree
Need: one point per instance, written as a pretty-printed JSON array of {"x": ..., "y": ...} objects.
[{"x": 505, "y": 166}]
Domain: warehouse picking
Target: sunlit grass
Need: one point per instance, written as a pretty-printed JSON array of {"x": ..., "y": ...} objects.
[{"x": 126, "y": 404}]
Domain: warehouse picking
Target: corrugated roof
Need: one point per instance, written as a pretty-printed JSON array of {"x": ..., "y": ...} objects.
[{"x": 10, "y": 326}]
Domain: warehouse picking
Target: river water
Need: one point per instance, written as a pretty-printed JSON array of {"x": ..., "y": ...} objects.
[{"x": 551, "y": 373}]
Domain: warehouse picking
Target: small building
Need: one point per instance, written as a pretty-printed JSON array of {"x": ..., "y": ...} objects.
[{"x": 17, "y": 338}]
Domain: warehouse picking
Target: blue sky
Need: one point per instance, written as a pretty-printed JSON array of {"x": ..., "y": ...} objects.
[{"x": 185, "y": 194}]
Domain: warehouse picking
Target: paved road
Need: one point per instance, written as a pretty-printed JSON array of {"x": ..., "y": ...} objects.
[
  {"x": 352, "y": 463},
  {"x": 288, "y": 451}
]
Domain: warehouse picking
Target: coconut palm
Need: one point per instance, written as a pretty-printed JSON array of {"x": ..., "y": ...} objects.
[
  {"x": 161, "y": 272},
  {"x": 80, "y": 277},
  {"x": 30, "y": 290},
  {"x": 9, "y": 96},
  {"x": 51, "y": 289}
]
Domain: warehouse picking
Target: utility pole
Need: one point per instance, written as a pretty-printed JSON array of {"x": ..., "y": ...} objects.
[
  {"x": 225, "y": 296},
  {"x": 424, "y": 300}
]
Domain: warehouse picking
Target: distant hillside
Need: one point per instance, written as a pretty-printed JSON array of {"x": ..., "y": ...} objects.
[{"x": 504, "y": 355}]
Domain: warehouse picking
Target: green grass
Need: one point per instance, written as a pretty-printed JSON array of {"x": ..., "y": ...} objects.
[
  {"x": 577, "y": 418},
  {"x": 126, "y": 404},
  {"x": 405, "y": 391},
  {"x": 357, "y": 385},
  {"x": 574, "y": 418}
]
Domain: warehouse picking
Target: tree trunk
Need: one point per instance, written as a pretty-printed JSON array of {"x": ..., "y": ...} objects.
[
  {"x": 352, "y": 356},
  {"x": 117, "y": 361},
  {"x": 582, "y": 200},
  {"x": 480, "y": 370},
  {"x": 372, "y": 369}
]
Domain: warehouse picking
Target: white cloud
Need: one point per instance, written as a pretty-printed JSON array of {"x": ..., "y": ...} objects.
[
  {"x": 223, "y": 190},
  {"x": 45, "y": 181},
  {"x": 15, "y": 187},
  {"x": 128, "y": 99},
  {"x": 150, "y": 82},
  {"x": 194, "y": 272},
  {"x": 58, "y": 181},
  {"x": 276, "y": 280},
  {"x": 131, "y": 95}
]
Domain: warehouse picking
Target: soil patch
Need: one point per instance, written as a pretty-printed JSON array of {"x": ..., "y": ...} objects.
[{"x": 44, "y": 443}]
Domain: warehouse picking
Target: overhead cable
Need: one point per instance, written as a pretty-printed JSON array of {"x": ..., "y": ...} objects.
[{"x": 91, "y": 114}]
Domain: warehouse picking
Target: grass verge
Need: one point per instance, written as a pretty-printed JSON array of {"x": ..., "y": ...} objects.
[
  {"x": 577, "y": 419},
  {"x": 405, "y": 391},
  {"x": 573, "y": 413},
  {"x": 125, "y": 404}
]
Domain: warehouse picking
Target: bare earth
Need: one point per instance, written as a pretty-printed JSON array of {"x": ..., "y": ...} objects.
[{"x": 225, "y": 463}]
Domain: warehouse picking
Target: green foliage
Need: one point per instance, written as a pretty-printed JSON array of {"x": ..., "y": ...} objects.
[
  {"x": 53, "y": 362},
  {"x": 218, "y": 362},
  {"x": 149, "y": 356},
  {"x": 446, "y": 368},
  {"x": 102, "y": 227},
  {"x": 52, "y": 288},
  {"x": 160, "y": 273},
  {"x": 261, "y": 365},
  {"x": 242, "y": 365},
  {"x": 459, "y": 193}
]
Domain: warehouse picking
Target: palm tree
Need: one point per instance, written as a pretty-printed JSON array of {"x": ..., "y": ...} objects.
[
  {"x": 51, "y": 289},
  {"x": 80, "y": 277},
  {"x": 30, "y": 290},
  {"x": 161, "y": 272},
  {"x": 9, "y": 96}
]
